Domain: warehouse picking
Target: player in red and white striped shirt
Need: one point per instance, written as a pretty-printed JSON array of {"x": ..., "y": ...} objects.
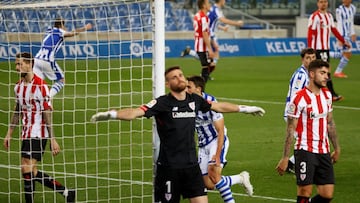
[
  {"x": 310, "y": 119},
  {"x": 321, "y": 25},
  {"x": 33, "y": 106},
  {"x": 202, "y": 39}
]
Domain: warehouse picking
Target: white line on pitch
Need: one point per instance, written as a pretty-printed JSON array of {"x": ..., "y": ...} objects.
[
  {"x": 280, "y": 103},
  {"x": 15, "y": 167}
]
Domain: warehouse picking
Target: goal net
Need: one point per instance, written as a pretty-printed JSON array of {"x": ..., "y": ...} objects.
[{"x": 109, "y": 66}]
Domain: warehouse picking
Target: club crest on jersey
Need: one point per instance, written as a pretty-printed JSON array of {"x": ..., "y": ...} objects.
[
  {"x": 302, "y": 176},
  {"x": 151, "y": 103},
  {"x": 168, "y": 196},
  {"x": 192, "y": 105}
]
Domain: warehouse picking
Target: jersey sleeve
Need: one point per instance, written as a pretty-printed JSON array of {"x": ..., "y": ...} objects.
[
  {"x": 152, "y": 108},
  {"x": 298, "y": 83},
  {"x": 203, "y": 104},
  {"x": 295, "y": 106}
]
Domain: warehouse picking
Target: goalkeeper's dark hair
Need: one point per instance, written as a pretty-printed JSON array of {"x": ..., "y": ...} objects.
[
  {"x": 168, "y": 70},
  {"x": 59, "y": 23},
  {"x": 198, "y": 81},
  {"x": 27, "y": 57},
  {"x": 307, "y": 50},
  {"x": 317, "y": 64}
]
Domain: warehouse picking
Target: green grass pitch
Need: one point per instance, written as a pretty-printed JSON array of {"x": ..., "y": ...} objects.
[{"x": 112, "y": 161}]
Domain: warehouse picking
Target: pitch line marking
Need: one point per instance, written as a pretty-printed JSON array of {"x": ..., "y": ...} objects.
[
  {"x": 280, "y": 103},
  {"x": 15, "y": 167}
]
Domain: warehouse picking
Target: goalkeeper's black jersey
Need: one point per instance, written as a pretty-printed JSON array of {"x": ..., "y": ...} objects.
[{"x": 176, "y": 127}]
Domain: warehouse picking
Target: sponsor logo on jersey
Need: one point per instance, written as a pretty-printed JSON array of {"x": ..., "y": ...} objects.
[
  {"x": 183, "y": 114},
  {"x": 291, "y": 109}
]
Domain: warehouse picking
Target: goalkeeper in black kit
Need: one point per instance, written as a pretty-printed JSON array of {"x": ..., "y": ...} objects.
[{"x": 178, "y": 173}]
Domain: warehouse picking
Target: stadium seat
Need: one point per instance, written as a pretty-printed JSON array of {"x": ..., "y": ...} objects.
[
  {"x": 293, "y": 3},
  {"x": 67, "y": 14},
  {"x": 102, "y": 25},
  {"x": 262, "y": 4},
  {"x": 100, "y": 12},
  {"x": 186, "y": 27},
  {"x": 123, "y": 10},
  {"x": 245, "y": 4},
  {"x": 124, "y": 23},
  {"x": 2, "y": 26},
  {"x": 11, "y": 26},
  {"x": 135, "y": 24},
  {"x": 135, "y": 9},
  {"x": 171, "y": 27},
  {"x": 23, "y": 26},
  {"x": 34, "y": 26},
  {"x": 31, "y": 14}
]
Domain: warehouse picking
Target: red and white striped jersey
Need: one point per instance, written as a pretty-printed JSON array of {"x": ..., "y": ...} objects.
[
  {"x": 311, "y": 110},
  {"x": 201, "y": 24},
  {"x": 319, "y": 29},
  {"x": 33, "y": 99}
]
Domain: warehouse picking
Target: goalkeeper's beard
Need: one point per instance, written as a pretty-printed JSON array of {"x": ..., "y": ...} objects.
[{"x": 181, "y": 86}]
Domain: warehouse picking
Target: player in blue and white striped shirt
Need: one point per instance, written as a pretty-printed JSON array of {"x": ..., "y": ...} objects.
[
  {"x": 216, "y": 17},
  {"x": 213, "y": 146},
  {"x": 299, "y": 79},
  {"x": 345, "y": 24},
  {"x": 45, "y": 64}
]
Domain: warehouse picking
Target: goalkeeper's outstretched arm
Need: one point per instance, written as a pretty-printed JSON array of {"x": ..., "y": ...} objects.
[
  {"x": 225, "y": 107},
  {"x": 123, "y": 114}
]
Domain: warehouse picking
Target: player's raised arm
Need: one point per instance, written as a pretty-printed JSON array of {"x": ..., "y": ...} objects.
[
  {"x": 123, "y": 114},
  {"x": 78, "y": 30},
  {"x": 225, "y": 107}
]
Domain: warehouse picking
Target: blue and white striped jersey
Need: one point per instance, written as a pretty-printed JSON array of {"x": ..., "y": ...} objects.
[
  {"x": 345, "y": 20},
  {"x": 51, "y": 44},
  {"x": 298, "y": 81},
  {"x": 204, "y": 123},
  {"x": 214, "y": 15}
]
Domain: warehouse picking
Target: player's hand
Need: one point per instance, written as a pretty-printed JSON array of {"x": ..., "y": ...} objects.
[
  {"x": 335, "y": 156},
  {"x": 254, "y": 110},
  {"x": 211, "y": 54},
  {"x": 7, "y": 142},
  {"x": 216, "y": 159},
  {"x": 347, "y": 45},
  {"x": 240, "y": 23},
  {"x": 101, "y": 116},
  {"x": 88, "y": 26},
  {"x": 54, "y": 147},
  {"x": 282, "y": 165}
]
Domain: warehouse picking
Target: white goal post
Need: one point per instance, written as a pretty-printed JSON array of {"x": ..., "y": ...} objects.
[{"x": 118, "y": 64}]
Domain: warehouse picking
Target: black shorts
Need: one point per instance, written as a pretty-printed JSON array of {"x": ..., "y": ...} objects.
[
  {"x": 204, "y": 59},
  {"x": 323, "y": 55},
  {"x": 33, "y": 148},
  {"x": 311, "y": 168},
  {"x": 171, "y": 183}
]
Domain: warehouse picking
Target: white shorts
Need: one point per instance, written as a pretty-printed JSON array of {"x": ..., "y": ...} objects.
[
  {"x": 207, "y": 152},
  {"x": 51, "y": 70}
]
